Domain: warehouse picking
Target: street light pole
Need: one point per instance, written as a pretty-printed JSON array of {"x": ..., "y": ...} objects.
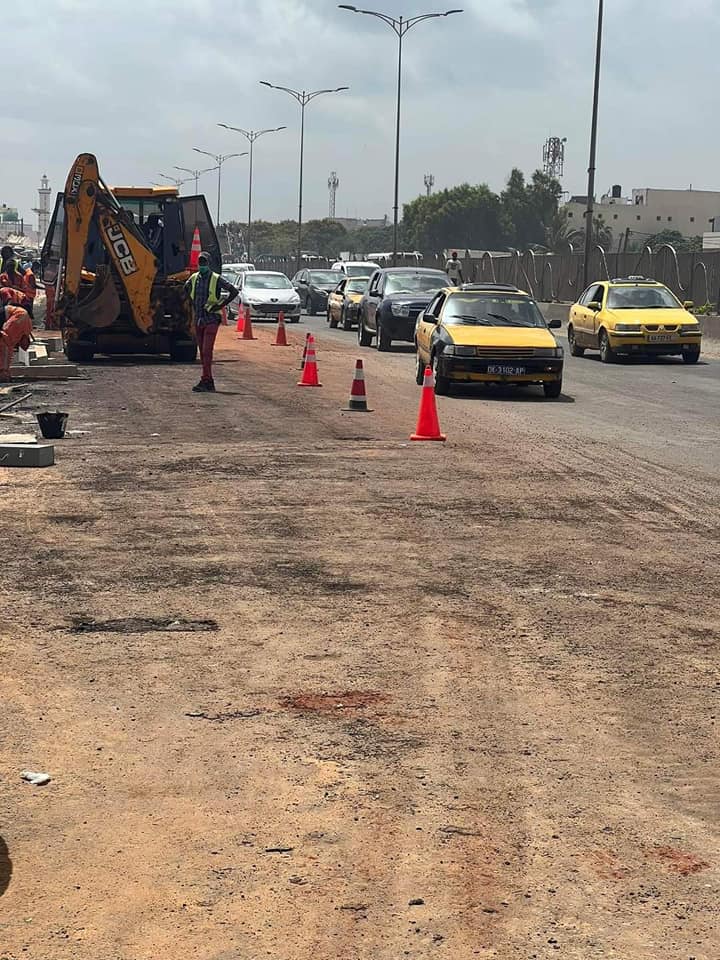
[
  {"x": 219, "y": 159},
  {"x": 593, "y": 152},
  {"x": 194, "y": 174},
  {"x": 401, "y": 27},
  {"x": 251, "y": 136},
  {"x": 178, "y": 181},
  {"x": 303, "y": 98}
]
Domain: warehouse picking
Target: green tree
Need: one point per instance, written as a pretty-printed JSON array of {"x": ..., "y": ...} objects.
[
  {"x": 326, "y": 237},
  {"x": 602, "y": 234},
  {"x": 677, "y": 240},
  {"x": 465, "y": 216},
  {"x": 529, "y": 208}
]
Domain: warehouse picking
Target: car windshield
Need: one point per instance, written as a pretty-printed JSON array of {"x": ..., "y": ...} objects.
[
  {"x": 492, "y": 310},
  {"x": 641, "y": 298},
  {"x": 266, "y": 281},
  {"x": 357, "y": 286},
  {"x": 359, "y": 271},
  {"x": 323, "y": 276},
  {"x": 415, "y": 282}
]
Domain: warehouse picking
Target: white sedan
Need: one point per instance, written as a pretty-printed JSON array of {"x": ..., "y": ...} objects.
[{"x": 265, "y": 293}]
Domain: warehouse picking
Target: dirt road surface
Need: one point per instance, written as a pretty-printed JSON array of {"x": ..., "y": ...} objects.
[{"x": 308, "y": 691}]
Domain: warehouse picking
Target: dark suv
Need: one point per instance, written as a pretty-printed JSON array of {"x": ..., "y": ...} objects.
[
  {"x": 394, "y": 299},
  {"x": 313, "y": 287}
]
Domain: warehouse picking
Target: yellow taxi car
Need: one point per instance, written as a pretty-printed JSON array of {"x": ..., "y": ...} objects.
[
  {"x": 344, "y": 302},
  {"x": 633, "y": 316},
  {"x": 487, "y": 333}
]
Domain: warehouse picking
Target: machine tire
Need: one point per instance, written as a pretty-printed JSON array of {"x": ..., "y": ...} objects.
[
  {"x": 364, "y": 336},
  {"x": 691, "y": 356},
  {"x": 384, "y": 342},
  {"x": 183, "y": 351},
  {"x": 442, "y": 384},
  {"x": 607, "y": 354},
  {"x": 553, "y": 389},
  {"x": 575, "y": 350},
  {"x": 79, "y": 352}
]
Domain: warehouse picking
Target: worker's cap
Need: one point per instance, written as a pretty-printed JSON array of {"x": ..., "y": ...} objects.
[{"x": 204, "y": 257}]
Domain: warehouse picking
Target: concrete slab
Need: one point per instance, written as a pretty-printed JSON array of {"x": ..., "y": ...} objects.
[
  {"x": 27, "y": 454},
  {"x": 44, "y": 371}
]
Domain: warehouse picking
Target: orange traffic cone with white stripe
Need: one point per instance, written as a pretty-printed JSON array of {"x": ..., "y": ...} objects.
[
  {"x": 281, "y": 336},
  {"x": 309, "y": 376},
  {"x": 195, "y": 250},
  {"x": 247, "y": 333},
  {"x": 241, "y": 319},
  {"x": 304, "y": 354},
  {"x": 358, "y": 401},
  {"x": 428, "y": 425}
]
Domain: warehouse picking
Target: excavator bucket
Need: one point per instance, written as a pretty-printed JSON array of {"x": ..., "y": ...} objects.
[{"x": 101, "y": 307}]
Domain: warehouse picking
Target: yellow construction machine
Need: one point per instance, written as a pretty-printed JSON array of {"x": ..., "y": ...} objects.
[{"x": 118, "y": 260}]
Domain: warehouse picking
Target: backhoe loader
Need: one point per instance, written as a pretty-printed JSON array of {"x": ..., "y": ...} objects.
[{"x": 118, "y": 260}]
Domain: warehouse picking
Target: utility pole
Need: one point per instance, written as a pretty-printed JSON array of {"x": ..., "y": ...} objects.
[{"x": 593, "y": 151}]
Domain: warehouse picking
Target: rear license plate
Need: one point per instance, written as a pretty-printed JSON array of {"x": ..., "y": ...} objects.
[
  {"x": 505, "y": 370},
  {"x": 660, "y": 338}
]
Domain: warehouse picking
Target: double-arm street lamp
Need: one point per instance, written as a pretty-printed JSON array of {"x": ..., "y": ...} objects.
[
  {"x": 303, "y": 98},
  {"x": 593, "y": 152},
  {"x": 401, "y": 27},
  {"x": 194, "y": 174},
  {"x": 178, "y": 181},
  {"x": 219, "y": 159},
  {"x": 251, "y": 136}
]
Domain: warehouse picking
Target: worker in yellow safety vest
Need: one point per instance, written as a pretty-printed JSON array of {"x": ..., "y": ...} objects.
[{"x": 209, "y": 294}]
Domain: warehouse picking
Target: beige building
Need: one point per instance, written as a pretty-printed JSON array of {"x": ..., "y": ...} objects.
[{"x": 648, "y": 211}]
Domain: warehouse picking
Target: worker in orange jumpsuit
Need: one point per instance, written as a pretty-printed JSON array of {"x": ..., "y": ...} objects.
[
  {"x": 15, "y": 331},
  {"x": 15, "y": 297},
  {"x": 14, "y": 277},
  {"x": 30, "y": 278}
]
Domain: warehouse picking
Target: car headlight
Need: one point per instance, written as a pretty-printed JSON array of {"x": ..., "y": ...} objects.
[
  {"x": 400, "y": 309},
  {"x": 451, "y": 350},
  {"x": 556, "y": 352},
  {"x": 628, "y": 328},
  {"x": 689, "y": 328}
]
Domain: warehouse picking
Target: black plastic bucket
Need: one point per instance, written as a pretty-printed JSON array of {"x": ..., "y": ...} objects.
[{"x": 52, "y": 425}]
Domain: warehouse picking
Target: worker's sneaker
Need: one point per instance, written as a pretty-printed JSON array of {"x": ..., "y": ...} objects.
[
  {"x": 202, "y": 387},
  {"x": 210, "y": 386}
]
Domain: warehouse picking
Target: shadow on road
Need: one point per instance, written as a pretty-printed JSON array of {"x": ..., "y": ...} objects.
[
  {"x": 496, "y": 393},
  {"x": 630, "y": 361},
  {"x": 5, "y": 867}
]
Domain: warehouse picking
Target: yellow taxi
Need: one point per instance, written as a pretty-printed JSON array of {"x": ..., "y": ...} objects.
[
  {"x": 344, "y": 302},
  {"x": 487, "y": 333},
  {"x": 633, "y": 316}
]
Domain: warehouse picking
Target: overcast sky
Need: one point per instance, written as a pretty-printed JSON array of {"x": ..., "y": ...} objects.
[{"x": 141, "y": 82}]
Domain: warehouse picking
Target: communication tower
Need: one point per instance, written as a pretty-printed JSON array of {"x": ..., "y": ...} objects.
[
  {"x": 333, "y": 184},
  {"x": 554, "y": 156},
  {"x": 429, "y": 183}
]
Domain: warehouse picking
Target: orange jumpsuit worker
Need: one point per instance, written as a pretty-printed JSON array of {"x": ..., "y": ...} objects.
[
  {"x": 12, "y": 277},
  {"x": 15, "y": 331}
]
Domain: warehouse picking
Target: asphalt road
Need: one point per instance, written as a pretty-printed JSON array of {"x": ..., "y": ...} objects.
[{"x": 662, "y": 409}]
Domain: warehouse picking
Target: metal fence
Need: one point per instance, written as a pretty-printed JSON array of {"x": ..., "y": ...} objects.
[{"x": 559, "y": 277}]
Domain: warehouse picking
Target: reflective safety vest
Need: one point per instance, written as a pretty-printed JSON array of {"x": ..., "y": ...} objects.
[{"x": 213, "y": 298}]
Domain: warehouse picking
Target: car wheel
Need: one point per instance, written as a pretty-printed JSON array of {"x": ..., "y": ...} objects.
[
  {"x": 442, "y": 384},
  {"x": 364, "y": 336},
  {"x": 346, "y": 321},
  {"x": 691, "y": 356},
  {"x": 310, "y": 306},
  {"x": 552, "y": 390},
  {"x": 575, "y": 350},
  {"x": 607, "y": 354},
  {"x": 331, "y": 320},
  {"x": 419, "y": 371},
  {"x": 384, "y": 341}
]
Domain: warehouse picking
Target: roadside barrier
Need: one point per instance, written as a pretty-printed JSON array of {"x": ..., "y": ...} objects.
[
  {"x": 358, "y": 400},
  {"x": 428, "y": 425}
]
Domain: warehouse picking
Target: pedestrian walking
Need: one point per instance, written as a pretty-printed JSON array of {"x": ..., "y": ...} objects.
[
  {"x": 209, "y": 294},
  {"x": 453, "y": 268}
]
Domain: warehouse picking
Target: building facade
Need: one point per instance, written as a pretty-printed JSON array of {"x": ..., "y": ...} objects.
[{"x": 649, "y": 211}]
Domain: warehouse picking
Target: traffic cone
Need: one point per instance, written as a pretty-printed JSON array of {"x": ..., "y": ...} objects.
[
  {"x": 195, "y": 250},
  {"x": 281, "y": 337},
  {"x": 247, "y": 333},
  {"x": 428, "y": 425},
  {"x": 358, "y": 401},
  {"x": 309, "y": 376},
  {"x": 241, "y": 319},
  {"x": 302, "y": 361}
]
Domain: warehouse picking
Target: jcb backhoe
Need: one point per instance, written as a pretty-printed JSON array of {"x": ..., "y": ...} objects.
[{"x": 118, "y": 260}]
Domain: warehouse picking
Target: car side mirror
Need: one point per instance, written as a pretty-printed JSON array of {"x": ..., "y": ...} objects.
[
  {"x": 555, "y": 323},
  {"x": 689, "y": 304},
  {"x": 595, "y": 306}
]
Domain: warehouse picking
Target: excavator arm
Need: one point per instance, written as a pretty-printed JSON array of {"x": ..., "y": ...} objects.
[{"x": 87, "y": 198}]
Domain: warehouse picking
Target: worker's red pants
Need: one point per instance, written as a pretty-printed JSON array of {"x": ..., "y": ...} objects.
[{"x": 206, "y": 334}]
